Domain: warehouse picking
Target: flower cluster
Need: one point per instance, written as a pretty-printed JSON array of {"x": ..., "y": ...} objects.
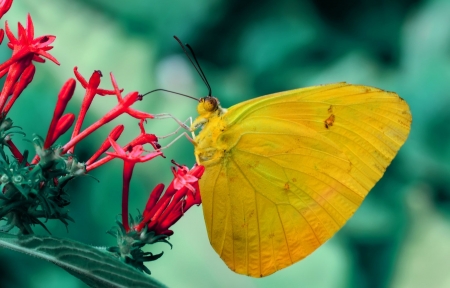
[
  {"x": 32, "y": 191},
  {"x": 160, "y": 213},
  {"x": 27, "y": 195}
]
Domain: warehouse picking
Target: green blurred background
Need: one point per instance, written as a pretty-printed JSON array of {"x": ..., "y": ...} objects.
[{"x": 398, "y": 238}]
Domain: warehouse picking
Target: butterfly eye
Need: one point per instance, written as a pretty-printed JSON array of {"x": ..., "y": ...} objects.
[{"x": 210, "y": 104}]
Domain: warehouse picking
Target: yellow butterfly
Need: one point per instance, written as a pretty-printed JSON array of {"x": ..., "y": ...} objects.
[{"x": 284, "y": 172}]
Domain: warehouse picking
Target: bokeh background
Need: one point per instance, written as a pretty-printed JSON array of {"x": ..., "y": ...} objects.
[{"x": 398, "y": 238}]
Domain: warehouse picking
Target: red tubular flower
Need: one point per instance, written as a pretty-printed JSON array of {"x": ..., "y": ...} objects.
[
  {"x": 64, "y": 123},
  {"x": 2, "y": 35},
  {"x": 142, "y": 139},
  {"x": 14, "y": 72},
  {"x": 64, "y": 97},
  {"x": 4, "y": 7},
  {"x": 161, "y": 212},
  {"x": 134, "y": 156},
  {"x": 25, "y": 79},
  {"x": 193, "y": 198},
  {"x": 122, "y": 107},
  {"x": 115, "y": 134},
  {"x": 154, "y": 197},
  {"x": 16, "y": 153},
  {"x": 91, "y": 90},
  {"x": 129, "y": 99},
  {"x": 93, "y": 83},
  {"x": 130, "y": 160},
  {"x": 25, "y": 49},
  {"x": 26, "y": 45},
  {"x": 154, "y": 214}
]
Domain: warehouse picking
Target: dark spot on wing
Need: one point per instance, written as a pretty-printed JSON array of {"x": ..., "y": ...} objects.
[{"x": 329, "y": 121}]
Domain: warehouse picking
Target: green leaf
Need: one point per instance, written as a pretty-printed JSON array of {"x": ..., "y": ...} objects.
[{"x": 93, "y": 266}]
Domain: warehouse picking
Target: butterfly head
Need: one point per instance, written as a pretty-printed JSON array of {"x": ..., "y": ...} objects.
[
  {"x": 208, "y": 104},
  {"x": 207, "y": 108}
]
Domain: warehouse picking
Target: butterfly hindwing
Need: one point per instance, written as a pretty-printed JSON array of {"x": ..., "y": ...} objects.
[{"x": 295, "y": 167}]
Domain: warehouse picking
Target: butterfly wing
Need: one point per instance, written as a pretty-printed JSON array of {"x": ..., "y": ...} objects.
[{"x": 295, "y": 167}]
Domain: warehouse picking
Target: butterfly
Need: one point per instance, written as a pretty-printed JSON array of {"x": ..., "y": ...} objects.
[{"x": 284, "y": 172}]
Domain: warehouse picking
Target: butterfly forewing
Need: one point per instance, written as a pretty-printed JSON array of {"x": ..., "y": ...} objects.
[{"x": 295, "y": 167}]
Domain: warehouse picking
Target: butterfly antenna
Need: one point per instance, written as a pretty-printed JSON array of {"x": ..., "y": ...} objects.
[
  {"x": 173, "y": 92},
  {"x": 197, "y": 67}
]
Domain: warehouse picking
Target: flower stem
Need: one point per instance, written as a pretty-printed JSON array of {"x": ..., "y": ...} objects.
[{"x": 127, "y": 172}]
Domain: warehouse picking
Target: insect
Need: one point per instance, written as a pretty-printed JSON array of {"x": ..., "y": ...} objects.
[{"x": 284, "y": 172}]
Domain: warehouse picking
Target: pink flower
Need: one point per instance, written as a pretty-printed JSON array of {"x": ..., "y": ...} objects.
[{"x": 182, "y": 178}]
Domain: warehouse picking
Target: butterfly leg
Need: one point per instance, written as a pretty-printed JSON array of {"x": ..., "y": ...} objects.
[
  {"x": 185, "y": 134},
  {"x": 167, "y": 115},
  {"x": 182, "y": 125},
  {"x": 178, "y": 129}
]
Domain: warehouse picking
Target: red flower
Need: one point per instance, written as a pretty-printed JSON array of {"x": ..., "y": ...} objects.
[
  {"x": 143, "y": 138},
  {"x": 161, "y": 212},
  {"x": 25, "y": 79},
  {"x": 64, "y": 123},
  {"x": 134, "y": 156},
  {"x": 130, "y": 160},
  {"x": 122, "y": 107},
  {"x": 16, "y": 153},
  {"x": 4, "y": 7},
  {"x": 114, "y": 134},
  {"x": 183, "y": 178},
  {"x": 125, "y": 103},
  {"x": 65, "y": 94},
  {"x": 25, "y": 49},
  {"x": 91, "y": 90},
  {"x": 26, "y": 45}
]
